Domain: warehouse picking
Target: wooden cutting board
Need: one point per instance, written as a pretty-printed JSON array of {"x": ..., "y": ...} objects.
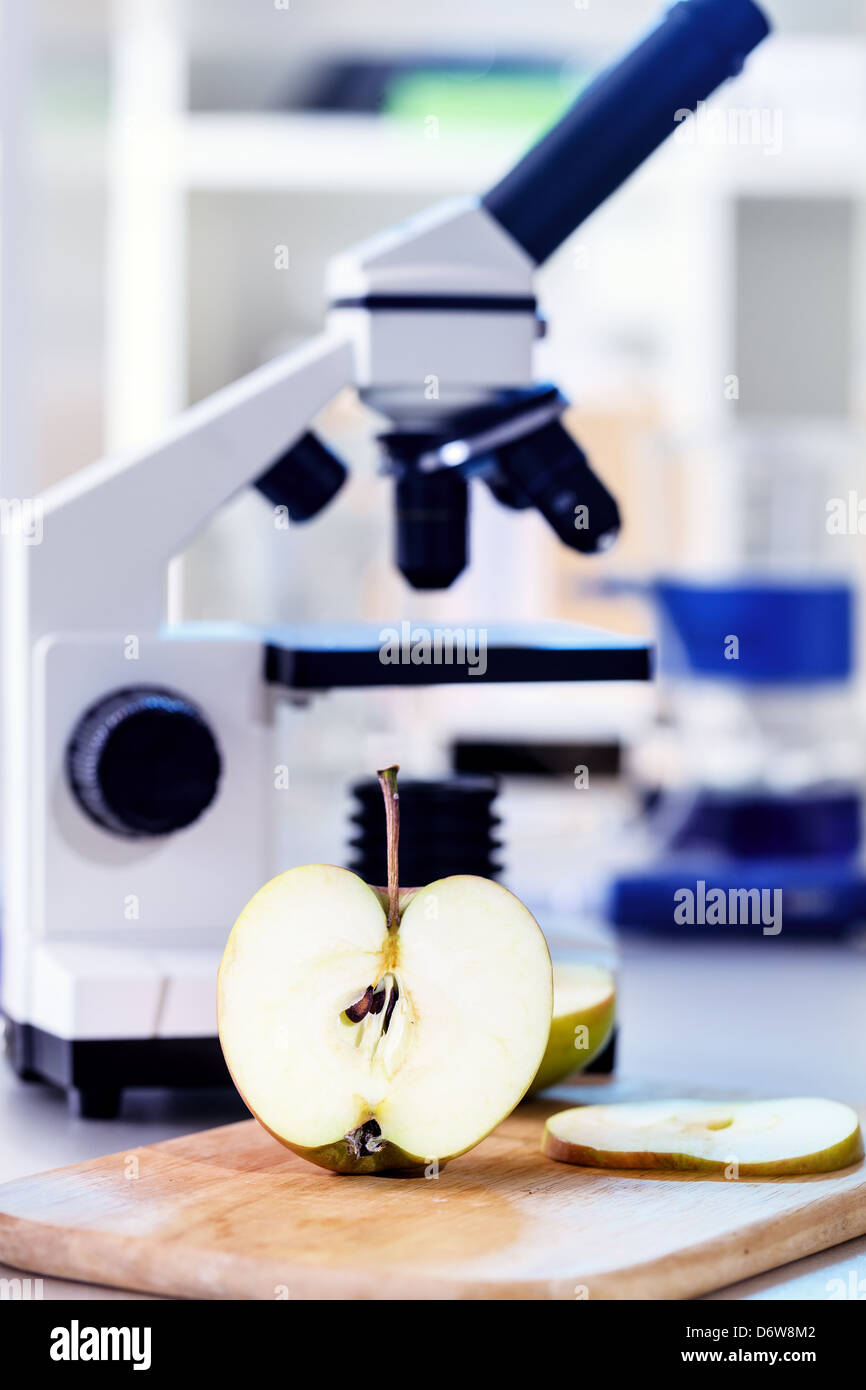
[{"x": 230, "y": 1213}]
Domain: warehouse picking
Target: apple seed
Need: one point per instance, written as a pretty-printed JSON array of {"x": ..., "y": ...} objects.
[
  {"x": 362, "y": 1006},
  {"x": 395, "y": 995}
]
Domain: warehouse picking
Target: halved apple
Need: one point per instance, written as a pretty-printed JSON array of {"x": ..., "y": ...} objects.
[
  {"x": 763, "y": 1138},
  {"x": 584, "y": 1005},
  {"x": 371, "y": 1031}
]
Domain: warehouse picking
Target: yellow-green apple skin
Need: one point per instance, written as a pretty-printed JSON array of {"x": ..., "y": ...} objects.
[
  {"x": 750, "y": 1139},
  {"x": 470, "y": 1021},
  {"x": 584, "y": 1012}
]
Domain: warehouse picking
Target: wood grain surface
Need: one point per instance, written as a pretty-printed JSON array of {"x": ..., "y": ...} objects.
[{"x": 229, "y": 1213}]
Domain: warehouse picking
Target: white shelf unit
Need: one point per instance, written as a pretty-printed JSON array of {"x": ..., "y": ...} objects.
[{"x": 354, "y": 154}]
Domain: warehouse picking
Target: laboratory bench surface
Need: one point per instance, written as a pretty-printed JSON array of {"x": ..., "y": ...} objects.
[{"x": 766, "y": 1017}]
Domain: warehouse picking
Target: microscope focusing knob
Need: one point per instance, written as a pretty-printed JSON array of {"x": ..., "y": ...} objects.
[{"x": 143, "y": 761}]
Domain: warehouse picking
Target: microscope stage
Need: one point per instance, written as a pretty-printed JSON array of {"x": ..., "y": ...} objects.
[{"x": 407, "y": 653}]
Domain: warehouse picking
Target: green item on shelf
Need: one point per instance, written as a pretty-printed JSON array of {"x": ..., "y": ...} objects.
[{"x": 533, "y": 100}]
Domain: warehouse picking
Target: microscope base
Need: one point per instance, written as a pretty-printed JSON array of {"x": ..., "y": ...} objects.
[{"x": 95, "y": 1072}]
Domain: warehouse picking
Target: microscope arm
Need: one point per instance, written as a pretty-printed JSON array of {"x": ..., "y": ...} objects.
[{"x": 111, "y": 529}]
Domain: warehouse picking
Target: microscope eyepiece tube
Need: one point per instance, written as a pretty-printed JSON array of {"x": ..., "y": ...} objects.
[{"x": 625, "y": 114}]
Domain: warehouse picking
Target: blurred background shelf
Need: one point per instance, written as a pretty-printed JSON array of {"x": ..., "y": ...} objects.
[{"x": 357, "y": 154}]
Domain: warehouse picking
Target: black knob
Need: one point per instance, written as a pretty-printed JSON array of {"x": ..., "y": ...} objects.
[{"x": 143, "y": 762}]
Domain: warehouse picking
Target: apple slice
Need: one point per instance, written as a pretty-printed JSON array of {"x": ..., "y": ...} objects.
[
  {"x": 371, "y": 1030},
  {"x": 765, "y": 1138},
  {"x": 584, "y": 1004}
]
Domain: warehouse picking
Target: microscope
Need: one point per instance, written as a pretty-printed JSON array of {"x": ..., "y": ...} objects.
[{"x": 136, "y": 773}]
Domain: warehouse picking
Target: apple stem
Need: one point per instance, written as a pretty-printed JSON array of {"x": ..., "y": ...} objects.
[{"x": 388, "y": 782}]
